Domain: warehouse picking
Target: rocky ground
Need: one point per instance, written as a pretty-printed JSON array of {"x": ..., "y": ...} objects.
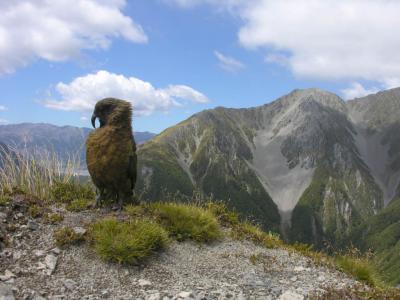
[{"x": 32, "y": 267}]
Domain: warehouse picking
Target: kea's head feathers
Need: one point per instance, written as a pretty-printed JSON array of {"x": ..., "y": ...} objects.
[{"x": 112, "y": 111}]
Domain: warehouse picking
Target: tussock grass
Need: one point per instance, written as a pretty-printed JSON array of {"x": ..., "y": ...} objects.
[
  {"x": 359, "y": 268},
  {"x": 66, "y": 236},
  {"x": 4, "y": 200},
  {"x": 185, "y": 221},
  {"x": 78, "y": 205},
  {"x": 36, "y": 173},
  {"x": 248, "y": 231},
  {"x": 126, "y": 241},
  {"x": 53, "y": 218},
  {"x": 70, "y": 191}
]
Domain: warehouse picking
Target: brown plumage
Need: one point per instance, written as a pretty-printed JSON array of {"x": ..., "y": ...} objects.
[{"x": 111, "y": 151}]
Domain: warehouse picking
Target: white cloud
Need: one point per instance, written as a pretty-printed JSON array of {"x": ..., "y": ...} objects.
[
  {"x": 322, "y": 39},
  {"x": 357, "y": 90},
  {"x": 83, "y": 118},
  {"x": 59, "y": 30},
  {"x": 228, "y": 63},
  {"x": 4, "y": 121},
  {"x": 82, "y": 93},
  {"x": 3, "y": 108},
  {"x": 225, "y": 4},
  {"x": 331, "y": 39}
]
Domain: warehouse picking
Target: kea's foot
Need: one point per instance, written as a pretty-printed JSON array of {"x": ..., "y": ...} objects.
[{"x": 99, "y": 199}]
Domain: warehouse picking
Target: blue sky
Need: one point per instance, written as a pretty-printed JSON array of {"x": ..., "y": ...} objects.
[{"x": 173, "y": 58}]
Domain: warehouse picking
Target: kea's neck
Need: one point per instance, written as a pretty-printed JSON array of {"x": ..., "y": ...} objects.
[{"x": 122, "y": 121}]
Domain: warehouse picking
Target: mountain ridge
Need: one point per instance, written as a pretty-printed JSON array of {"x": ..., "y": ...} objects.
[{"x": 281, "y": 145}]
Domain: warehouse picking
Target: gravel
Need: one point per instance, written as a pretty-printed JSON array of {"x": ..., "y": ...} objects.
[{"x": 32, "y": 267}]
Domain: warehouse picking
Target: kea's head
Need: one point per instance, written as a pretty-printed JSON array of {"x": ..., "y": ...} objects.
[{"x": 111, "y": 111}]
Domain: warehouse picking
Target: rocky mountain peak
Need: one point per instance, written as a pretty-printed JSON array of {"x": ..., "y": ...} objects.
[{"x": 324, "y": 98}]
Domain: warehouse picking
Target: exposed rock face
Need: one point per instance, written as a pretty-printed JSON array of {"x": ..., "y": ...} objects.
[{"x": 325, "y": 164}]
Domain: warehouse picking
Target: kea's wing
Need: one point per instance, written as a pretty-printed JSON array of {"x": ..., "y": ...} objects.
[{"x": 132, "y": 167}]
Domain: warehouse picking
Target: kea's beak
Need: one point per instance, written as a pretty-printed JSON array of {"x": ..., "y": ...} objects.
[{"x": 94, "y": 120}]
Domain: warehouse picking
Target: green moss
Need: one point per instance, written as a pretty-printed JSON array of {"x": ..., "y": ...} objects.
[
  {"x": 187, "y": 222},
  {"x": 66, "y": 236},
  {"x": 126, "y": 242}
]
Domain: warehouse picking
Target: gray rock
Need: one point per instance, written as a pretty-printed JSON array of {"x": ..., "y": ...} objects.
[
  {"x": 184, "y": 295},
  {"x": 69, "y": 284},
  {"x": 6, "y": 292},
  {"x": 39, "y": 253},
  {"x": 51, "y": 263},
  {"x": 32, "y": 225},
  {"x": 7, "y": 276},
  {"x": 80, "y": 230},
  {"x": 290, "y": 295},
  {"x": 105, "y": 294},
  {"x": 155, "y": 296},
  {"x": 144, "y": 283}
]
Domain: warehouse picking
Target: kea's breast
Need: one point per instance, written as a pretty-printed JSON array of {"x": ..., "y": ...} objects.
[{"x": 107, "y": 152}]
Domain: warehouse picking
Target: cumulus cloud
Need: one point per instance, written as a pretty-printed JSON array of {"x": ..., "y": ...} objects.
[
  {"x": 322, "y": 39},
  {"x": 357, "y": 90},
  {"x": 3, "y": 108},
  {"x": 82, "y": 93},
  {"x": 59, "y": 30},
  {"x": 228, "y": 63}
]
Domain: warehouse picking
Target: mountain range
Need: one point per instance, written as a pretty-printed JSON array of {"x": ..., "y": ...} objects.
[
  {"x": 63, "y": 140},
  {"x": 310, "y": 165}
]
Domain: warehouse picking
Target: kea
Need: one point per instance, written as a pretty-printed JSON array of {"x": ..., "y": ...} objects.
[{"x": 111, "y": 151}]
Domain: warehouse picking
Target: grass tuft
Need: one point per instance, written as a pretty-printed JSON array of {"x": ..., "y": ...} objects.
[
  {"x": 257, "y": 235},
  {"x": 126, "y": 242},
  {"x": 66, "y": 236},
  {"x": 33, "y": 172},
  {"x": 225, "y": 216},
  {"x": 53, "y": 218},
  {"x": 4, "y": 200},
  {"x": 67, "y": 192},
  {"x": 78, "y": 205},
  {"x": 184, "y": 221},
  {"x": 359, "y": 268}
]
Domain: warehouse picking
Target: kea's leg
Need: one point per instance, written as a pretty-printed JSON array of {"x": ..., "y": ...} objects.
[
  {"x": 123, "y": 197},
  {"x": 100, "y": 197}
]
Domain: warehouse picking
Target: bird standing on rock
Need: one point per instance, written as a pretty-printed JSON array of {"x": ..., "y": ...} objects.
[{"x": 111, "y": 151}]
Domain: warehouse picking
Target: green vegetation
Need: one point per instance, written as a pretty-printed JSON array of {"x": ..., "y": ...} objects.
[
  {"x": 34, "y": 173},
  {"x": 248, "y": 231},
  {"x": 36, "y": 211},
  {"x": 78, "y": 205},
  {"x": 4, "y": 200},
  {"x": 185, "y": 221},
  {"x": 67, "y": 236},
  {"x": 53, "y": 218},
  {"x": 359, "y": 268},
  {"x": 381, "y": 233},
  {"x": 69, "y": 191},
  {"x": 126, "y": 241}
]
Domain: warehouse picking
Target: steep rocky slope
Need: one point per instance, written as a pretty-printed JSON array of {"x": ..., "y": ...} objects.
[{"x": 326, "y": 165}]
